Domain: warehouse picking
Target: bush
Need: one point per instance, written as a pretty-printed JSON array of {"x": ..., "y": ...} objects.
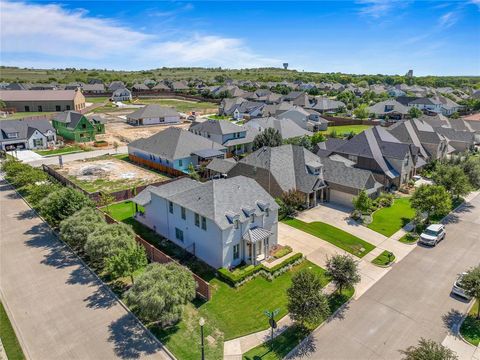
[
  {"x": 385, "y": 199},
  {"x": 285, "y": 250},
  {"x": 235, "y": 279},
  {"x": 75, "y": 229},
  {"x": 37, "y": 192}
]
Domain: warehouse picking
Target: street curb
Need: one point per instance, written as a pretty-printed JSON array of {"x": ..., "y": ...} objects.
[
  {"x": 102, "y": 284},
  {"x": 460, "y": 325}
]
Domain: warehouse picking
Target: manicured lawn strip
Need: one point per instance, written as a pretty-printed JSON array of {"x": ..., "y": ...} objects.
[
  {"x": 96, "y": 100},
  {"x": 290, "y": 338},
  {"x": 408, "y": 238},
  {"x": 470, "y": 328},
  {"x": 64, "y": 150},
  {"x": 9, "y": 339},
  {"x": 123, "y": 210},
  {"x": 384, "y": 259},
  {"x": 346, "y": 129},
  {"x": 219, "y": 117},
  {"x": 333, "y": 235},
  {"x": 388, "y": 220}
]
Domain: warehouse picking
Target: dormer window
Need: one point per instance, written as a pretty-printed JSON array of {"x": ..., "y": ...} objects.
[
  {"x": 12, "y": 135},
  {"x": 236, "y": 223}
]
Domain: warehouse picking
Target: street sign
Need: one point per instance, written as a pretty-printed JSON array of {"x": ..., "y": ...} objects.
[{"x": 273, "y": 323}]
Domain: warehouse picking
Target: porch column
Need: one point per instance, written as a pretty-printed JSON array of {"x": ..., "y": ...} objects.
[{"x": 254, "y": 254}]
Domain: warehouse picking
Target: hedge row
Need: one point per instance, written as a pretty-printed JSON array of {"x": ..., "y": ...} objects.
[{"x": 234, "y": 279}]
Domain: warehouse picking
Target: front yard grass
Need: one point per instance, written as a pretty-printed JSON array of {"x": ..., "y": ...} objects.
[
  {"x": 293, "y": 336},
  {"x": 59, "y": 151},
  {"x": 333, "y": 235},
  {"x": 8, "y": 337},
  {"x": 384, "y": 259},
  {"x": 346, "y": 129},
  {"x": 388, "y": 220},
  {"x": 470, "y": 329},
  {"x": 409, "y": 238}
]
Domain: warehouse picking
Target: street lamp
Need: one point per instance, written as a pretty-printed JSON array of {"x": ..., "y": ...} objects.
[{"x": 201, "y": 322}]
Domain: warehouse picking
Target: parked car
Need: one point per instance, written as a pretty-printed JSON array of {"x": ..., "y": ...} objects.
[
  {"x": 416, "y": 177},
  {"x": 458, "y": 290},
  {"x": 433, "y": 234}
]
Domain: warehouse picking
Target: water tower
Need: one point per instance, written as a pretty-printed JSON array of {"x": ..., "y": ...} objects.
[{"x": 285, "y": 66}]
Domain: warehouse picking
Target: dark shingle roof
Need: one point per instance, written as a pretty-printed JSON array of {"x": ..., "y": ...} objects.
[
  {"x": 24, "y": 127},
  {"x": 152, "y": 111}
]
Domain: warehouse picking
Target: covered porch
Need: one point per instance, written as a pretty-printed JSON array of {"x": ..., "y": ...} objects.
[
  {"x": 256, "y": 246},
  {"x": 317, "y": 197}
]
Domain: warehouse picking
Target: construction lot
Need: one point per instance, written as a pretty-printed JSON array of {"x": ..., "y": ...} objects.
[{"x": 108, "y": 174}]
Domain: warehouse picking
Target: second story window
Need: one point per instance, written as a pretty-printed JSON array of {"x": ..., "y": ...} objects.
[
  {"x": 236, "y": 224},
  {"x": 180, "y": 163},
  {"x": 204, "y": 223},
  {"x": 184, "y": 215},
  {"x": 252, "y": 217},
  {"x": 197, "y": 220},
  {"x": 170, "y": 207}
]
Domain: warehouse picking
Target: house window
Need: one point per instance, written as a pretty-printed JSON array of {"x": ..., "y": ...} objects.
[
  {"x": 204, "y": 223},
  {"x": 68, "y": 107},
  {"x": 252, "y": 217},
  {"x": 183, "y": 212},
  {"x": 170, "y": 207},
  {"x": 84, "y": 126},
  {"x": 179, "y": 234},
  {"x": 267, "y": 212},
  {"x": 37, "y": 142},
  {"x": 12, "y": 135},
  {"x": 40, "y": 108},
  {"x": 27, "y": 108},
  {"x": 180, "y": 163},
  {"x": 236, "y": 251},
  {"x": 58, "y": 108},
  {"x": 197, "y": 220}
]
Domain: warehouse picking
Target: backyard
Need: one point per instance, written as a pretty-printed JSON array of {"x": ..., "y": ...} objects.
[
  {"x": 346, "y": 129},
  {"x": 333, "y": 235},
  {"x": 388, "y": 220},
  {"x": 230, "y": 313},
  {"x": 108, "y": 174},
  {"x": 21, "y": 115}
]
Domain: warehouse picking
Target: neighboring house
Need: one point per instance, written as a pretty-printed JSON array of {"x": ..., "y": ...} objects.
[
  {"x": 286, "y": 127},
  {"x": 161, "y": 87},
  {"x": 375, "y": 149},
  {"x": 247, "y": 110},
  {"x": 179, "y": 86},
  {"x": 326, "y": 105},
  {"x": 153, "y": 114},
  {"x": 43, "y": 100},
  {"x": 93, "y": 88},
  {"x": 461, "y": 141},
  {"x": 396, "y": 92},
  {"x": 26, "y": 134},
  {"x": 285, "y": 168},
  {"x": 218, "y": 168},
  {"x": 122, "y": 94},
  {"x": 237, "y": 139},
  {"x": 437, "y": 104},
  {"x": 140, "y": 87},
  {"x": 224, "y": 222},
  {"x": 315, "y": 122},
  {"x": 392, "y": 109},
  {"x": 176, "y": 149},
  {"x": 115, "y": 85},
  {"x": 75, "y": 126}
]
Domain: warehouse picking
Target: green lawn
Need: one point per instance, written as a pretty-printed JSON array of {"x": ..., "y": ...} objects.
[
  {"x": 291, "y": 337},
  {"x": 470, "y": 328},
  {"x": 64, "y": 150},
  {"x": 96, "y": 100},
  {"x": 389, "y": 220},
  {"x": 21, "y": 114},
  {"x": 182, "y": 105},
  {"x": 123, "y": 210},
  {"x": 384, "y": 259},
  {"x": 346, "y": 129},
  {"x": 219, "y": 117},
  {"x": 333, "y": 235},
  {"x": 9, "y": 339},
  {"x": 408, "y": 238}
]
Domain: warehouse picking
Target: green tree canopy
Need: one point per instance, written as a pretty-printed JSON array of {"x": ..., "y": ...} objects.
[
  {"x": 361, "y": 112},
  {"x": 107, "y": 241},
  {"x": 269, "y": 137},
  {"x": 75, "y": 229},
  {"x": 362, "y": 202},
  {"x": 160, "y": 293},
  {"x": 63, "y": 203},
  {"x": 433, "y": 200},
  {"x": 126, "y": 261},
  {"x": 306, "y": 302},
  {"x": 471, "y": 167},
  {"x": 471, "y": 283},
  {"x": 343, "y": 270},
  {"x": 415, "y": 113},
  {"x": 428, "y": 350},
  {"x": 452, "y": 178}
]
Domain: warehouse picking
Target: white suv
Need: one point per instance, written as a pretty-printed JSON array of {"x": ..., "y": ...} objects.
[
  {"x": 433, "y": 234},
  {"x": 458, "y": 290}
]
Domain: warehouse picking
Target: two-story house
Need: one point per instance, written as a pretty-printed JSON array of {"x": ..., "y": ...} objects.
[
  {"x": 223, "y": 222},
  {"x": 392, "y": 109},
  {"x": 75, "y": 126},
  {"x": 26, "y": 134},
  {"x": 236, "y": 138},
  {"x": 176, "y": 149},
  {"x": 286, "y": 127}
]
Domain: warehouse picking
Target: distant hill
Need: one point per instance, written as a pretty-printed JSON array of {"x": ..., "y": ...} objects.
[{"x": 216, "y": 75}]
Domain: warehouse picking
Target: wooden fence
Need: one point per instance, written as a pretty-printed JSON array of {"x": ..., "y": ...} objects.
[
  {"x": 120, "y": 195},
  {"x": 339, "y": 121},
  {"x": 156, "y": 166},
  {"x": 156, "y": 255}
]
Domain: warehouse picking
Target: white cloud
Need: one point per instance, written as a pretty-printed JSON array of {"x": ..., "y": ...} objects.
[
  {"x": 51, "y": 34},
  {"x": 380, "y": 8},
  {"x": 448, "y": 19}
]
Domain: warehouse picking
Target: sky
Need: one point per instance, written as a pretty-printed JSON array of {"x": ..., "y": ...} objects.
[{"x": 360, "y": 37}]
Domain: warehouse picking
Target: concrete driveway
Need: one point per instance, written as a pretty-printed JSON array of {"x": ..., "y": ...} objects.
[
  {"x": 26, "y": 155},
  {"x": 412, "y": 300},
  {"x": 58, "y": 308}
]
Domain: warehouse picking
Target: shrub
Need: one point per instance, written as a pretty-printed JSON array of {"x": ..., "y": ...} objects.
[{"x": 75, "y": 229}]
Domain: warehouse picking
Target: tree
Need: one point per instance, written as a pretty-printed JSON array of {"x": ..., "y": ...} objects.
[
  {"x": 37, "y": 192},
  {"x": 433, "y": 200},
  {"x": 471, "y": 283},
  {"x": 193, "y": 173},
  {"x": 415, "y": 113},
  {"x": 362, "y": 202},
  {"x": 75, "y": 229},
  {"x": 318, "y": 137},
  {"x": 428, "y": 350},
  {"x": 471, "y": 167},
  {"x": 361, "y": 112},
  {"x": 107, "y": 241},
  {"x": 126, "y": 262},
  {"x": 290, "y": 202},
  {"x": 269, "y": 137},
  {"x": 63, "y": 203},
  {"x": 160, "y": 293},
  {"x": 306, "y": 301},
  {"x": 452, "y": 178},
  {"x": 343, "y": 270}
]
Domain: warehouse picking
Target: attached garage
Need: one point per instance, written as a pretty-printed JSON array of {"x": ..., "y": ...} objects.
[{"x": 341, "y": 198}]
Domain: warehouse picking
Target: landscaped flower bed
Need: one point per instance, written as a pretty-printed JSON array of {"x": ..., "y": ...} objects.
[{"x": 385, "y": 259}]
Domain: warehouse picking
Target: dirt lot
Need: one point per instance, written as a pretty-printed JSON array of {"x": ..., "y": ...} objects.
[{"x": 108, "y": 174}]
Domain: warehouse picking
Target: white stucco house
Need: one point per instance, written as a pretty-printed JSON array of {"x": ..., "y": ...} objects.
[
  {"x": 154, "y": 114},
  {"x": 224, "y": 222},
  {"x": 26, "y": 134},
  {"x": 122, "y": 94}
]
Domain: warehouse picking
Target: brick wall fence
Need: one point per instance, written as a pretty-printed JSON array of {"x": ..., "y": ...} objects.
[
  {"x": 339, "y": 121},
  {"x": 95, "y": 196},
  {"x": 155, "y": 255}
]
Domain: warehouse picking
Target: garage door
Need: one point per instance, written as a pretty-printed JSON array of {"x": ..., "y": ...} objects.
[{"x": 341, "y": 198}]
